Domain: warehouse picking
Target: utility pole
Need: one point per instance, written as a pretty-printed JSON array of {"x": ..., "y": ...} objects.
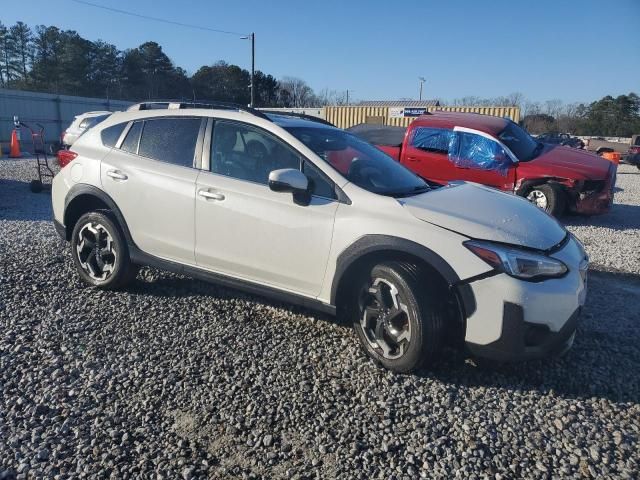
[
  {"x": 253, "y": 67},
  {"x": 252, "y": 37},
  {"x": 347, "y": 97},
  {"x": 422, "y": 80}
]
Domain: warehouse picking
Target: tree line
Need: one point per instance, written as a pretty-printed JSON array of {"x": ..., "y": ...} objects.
[
  {"x": 609, "y": 116},
  {"x": 48, "y": 59}
]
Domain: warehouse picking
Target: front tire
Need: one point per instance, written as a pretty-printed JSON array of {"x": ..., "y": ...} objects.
[
  {"x": 397, "y": 316},
  {"x": 549, "y": 197},
  {"x": 100, "y": 252}
]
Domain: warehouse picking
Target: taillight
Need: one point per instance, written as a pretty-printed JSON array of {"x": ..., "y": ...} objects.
[
  {"x": 634, "y": 149},
  {"x": 65, "y": 157}
]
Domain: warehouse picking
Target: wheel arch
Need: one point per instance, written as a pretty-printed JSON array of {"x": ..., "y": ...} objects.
[
  {"x": 373, "y": 248},
  {"x": 458, "y": 298},
  {"x": 83, "y": 198}
]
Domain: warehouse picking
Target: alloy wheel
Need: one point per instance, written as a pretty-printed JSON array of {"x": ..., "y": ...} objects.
[
  {"x": 384, "y": 318},
  {"x": 96, "y": 252},
  {"x": 538, "y": 198}
]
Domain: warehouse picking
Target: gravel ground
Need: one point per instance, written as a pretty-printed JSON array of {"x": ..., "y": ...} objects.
[{"x": 175, "y": 378}]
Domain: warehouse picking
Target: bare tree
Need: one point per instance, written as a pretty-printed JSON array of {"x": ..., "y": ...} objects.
[{"x": 295, "y": 92}]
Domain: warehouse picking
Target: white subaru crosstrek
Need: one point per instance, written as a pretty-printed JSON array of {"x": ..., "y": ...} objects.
[{"x": 298, "y": 210}]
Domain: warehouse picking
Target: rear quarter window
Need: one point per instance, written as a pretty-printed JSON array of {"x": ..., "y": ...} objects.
[
  {"x": 130, "y": 143},
  {"x": 110, "y": 135}
]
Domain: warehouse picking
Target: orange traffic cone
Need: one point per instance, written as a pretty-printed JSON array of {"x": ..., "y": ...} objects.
[{"x": 15, "y": 145}]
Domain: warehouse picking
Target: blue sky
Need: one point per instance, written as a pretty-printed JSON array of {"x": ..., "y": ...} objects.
[{"x": 575, "y": 50}]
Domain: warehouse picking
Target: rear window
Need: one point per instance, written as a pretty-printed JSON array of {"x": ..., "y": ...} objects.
[
  {"x": 170, "y": 140},
  {"x": 93, "y": 121},
  {"x": 110, "y": 135}
]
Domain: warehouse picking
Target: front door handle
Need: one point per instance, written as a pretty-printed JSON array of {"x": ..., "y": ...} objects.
[
  {"x": 116, "y": 175},
  {"x": 210, "y": 195}
]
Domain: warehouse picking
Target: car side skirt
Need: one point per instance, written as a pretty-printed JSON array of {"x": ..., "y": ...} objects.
[{"x": 141, "y": 258}]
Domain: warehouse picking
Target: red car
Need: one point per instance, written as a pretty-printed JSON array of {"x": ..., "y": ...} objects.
[{"x": 494, "y": 151}]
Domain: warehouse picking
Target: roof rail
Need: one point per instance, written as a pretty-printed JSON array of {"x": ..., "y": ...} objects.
[
  {"x": 297, "y": 115},
  {"x": 180, "y": 105}
]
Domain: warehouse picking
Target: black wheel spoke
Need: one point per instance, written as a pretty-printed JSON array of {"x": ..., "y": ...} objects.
[
  {"x": 385, "y": 320},
  {"x": 95, "y": 251}
]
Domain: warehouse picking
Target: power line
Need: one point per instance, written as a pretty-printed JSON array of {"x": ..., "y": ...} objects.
[{"x": 156, "y": 19}]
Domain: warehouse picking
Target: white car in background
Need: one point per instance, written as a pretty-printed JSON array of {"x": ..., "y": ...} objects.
[
  {"x": 310, "y": 214},
  {"x": 80, "y": 124}
]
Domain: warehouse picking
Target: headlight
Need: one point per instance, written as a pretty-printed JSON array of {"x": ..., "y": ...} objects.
[{"x": 518, "y": 263}]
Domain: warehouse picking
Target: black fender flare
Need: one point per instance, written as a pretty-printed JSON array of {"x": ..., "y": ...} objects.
[
  {"x": 90, "y": 190},
  {"x": 388, "y": 243}
]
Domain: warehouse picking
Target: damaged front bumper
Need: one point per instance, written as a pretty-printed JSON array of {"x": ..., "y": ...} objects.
[
  {"x": 510, "y": 319},
  {"x": 598, "y": 201}
]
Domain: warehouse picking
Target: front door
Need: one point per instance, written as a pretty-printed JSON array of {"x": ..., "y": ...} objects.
[
  {"x": 480, "y": 158},
  {"x": 246, "y": 230}
]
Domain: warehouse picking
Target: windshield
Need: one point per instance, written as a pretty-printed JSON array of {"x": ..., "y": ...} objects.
[
  {"x": 360, "y": 162},
  {"x": 523, "y": 146}
]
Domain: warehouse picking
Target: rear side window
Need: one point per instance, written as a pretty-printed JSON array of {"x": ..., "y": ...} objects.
[
  {"x": 432, "y": 139},
  {"x": 130, "y": 143},
  {"x": 170, "y": 140},
  {"x": 110, "y": 135}
]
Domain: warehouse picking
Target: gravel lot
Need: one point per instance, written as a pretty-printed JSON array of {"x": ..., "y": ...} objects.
[{"x": 176, "y": 378}]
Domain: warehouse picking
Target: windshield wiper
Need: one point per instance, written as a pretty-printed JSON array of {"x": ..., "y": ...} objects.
[{"x": 409, "y": 193}]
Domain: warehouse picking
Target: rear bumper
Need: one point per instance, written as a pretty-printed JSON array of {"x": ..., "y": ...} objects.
[{"x": 522, "y": 340}]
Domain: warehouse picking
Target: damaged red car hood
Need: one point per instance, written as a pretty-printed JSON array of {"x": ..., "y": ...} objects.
[{"x": 568, "y": 162}]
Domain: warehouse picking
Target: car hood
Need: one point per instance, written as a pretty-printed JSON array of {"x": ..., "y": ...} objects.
[
  {"x": 482, "y": 213},
  {"x": 570, "y": 163}
]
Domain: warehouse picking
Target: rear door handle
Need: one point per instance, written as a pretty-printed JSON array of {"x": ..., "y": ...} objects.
[
  {"x": 116, "y": 175},
  {"x": 210, "y": 195}
]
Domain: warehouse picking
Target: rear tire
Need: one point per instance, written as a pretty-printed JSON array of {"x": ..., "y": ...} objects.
[
  {"x": 100, "y": 252},
  {"x": 397, "y": 316},
  {"x": 549, "y": 197}
]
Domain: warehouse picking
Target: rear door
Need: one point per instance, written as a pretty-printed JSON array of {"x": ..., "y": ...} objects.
[
  {"x": 151, "y": 176},
  {"x": 246, "y": 230},
  {"x": 426, "y": 153}
]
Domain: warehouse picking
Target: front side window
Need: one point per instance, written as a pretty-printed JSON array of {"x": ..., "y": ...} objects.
[
  {"x": 170, "y": 140},
  {"x": 469, "y": 150},
  {"x": 359, "y": 161},
  {"x": 432, "y": 139},
  {"x": 246, "y": 153},
  {"x": 318, "y": 184}
]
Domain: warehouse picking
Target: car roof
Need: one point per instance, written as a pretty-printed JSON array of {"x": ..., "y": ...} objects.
[
  {"x": 484, "y": 123},
  {"x": 286, "y": 121}
]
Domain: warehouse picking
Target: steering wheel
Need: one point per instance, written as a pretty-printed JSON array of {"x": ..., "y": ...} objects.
[{"x": 362, "y": 173}]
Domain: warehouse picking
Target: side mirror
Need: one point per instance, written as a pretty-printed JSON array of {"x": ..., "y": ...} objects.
[{"x": 291, "y": 180}]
